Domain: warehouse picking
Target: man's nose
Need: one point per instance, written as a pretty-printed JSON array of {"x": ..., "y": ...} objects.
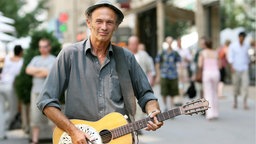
[{"x": 104, "y": 26}]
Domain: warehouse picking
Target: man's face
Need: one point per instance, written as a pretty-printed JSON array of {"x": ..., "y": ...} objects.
[
  {"x": 169, "y": 40},
  {"x": 133, "y": 44},
  {"x": 44, "y": 47},
  {"x": 241, "y": 39},
  {"x": 102, "y": 24}
]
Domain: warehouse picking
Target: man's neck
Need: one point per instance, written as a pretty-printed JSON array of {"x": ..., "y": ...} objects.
[
  {"x": 45, "y": 55},
  {"x": 169, "y": 49},
  {"x": 99, "y": 48},
  {"x": 16, "y": 58},
  {"x": 134, "y": 51},
  {"x": 241, "y": 43}
]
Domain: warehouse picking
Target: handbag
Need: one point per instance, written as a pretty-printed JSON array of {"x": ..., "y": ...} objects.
[{"x": 191, "y": 91}]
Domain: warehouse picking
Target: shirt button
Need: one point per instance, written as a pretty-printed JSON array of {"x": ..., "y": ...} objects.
[
  {"x": 100, "y": 95},
  {"x": 101, "y": 111}
]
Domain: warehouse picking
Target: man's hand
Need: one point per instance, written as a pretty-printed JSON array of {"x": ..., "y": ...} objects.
[
  {"x": 155, "y": 124},
  {"x": 41, "y": 73},
  {"x": 79, "y": 137},
  {"x": 152, "y": 109}
]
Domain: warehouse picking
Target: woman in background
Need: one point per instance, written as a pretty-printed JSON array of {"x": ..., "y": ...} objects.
[{"x": 209, "y": 62}]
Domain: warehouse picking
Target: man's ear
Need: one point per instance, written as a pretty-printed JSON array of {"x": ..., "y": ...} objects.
[{"x": 88, "y": 22}]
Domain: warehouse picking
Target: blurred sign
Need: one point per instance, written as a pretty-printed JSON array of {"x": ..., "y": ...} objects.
[{"x": 63, "y": 18}]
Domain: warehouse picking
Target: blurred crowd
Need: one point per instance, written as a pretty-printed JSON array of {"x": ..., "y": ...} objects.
[{"x": 177, "y": 70}]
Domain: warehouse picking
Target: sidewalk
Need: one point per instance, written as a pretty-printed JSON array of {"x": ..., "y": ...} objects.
[{"x": 233, "y": 127}]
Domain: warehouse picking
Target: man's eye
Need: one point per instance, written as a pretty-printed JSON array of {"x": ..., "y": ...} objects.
[
  {"x": 110, "y": 22},
  {"x": 98, "y": 21}
]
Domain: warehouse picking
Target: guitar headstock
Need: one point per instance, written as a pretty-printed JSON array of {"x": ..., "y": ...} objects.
[{"x": 195, "y": 107}]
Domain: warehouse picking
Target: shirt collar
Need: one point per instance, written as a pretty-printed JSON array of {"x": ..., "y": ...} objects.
[{"x": 88, "y": 47}]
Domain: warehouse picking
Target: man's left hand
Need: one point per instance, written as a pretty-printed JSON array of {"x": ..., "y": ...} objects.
[{"x": 155, "y": 124}]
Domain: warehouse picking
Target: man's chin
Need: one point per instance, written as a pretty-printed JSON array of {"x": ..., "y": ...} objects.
[{"x": 104, "y": 38}]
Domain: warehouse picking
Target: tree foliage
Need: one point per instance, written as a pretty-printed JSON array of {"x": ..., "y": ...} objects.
[
  {"x": 176, "y": 29},
  {"x": 24, "y": 23},
  {"x": 23, "y": 82},
  {"x": 235, "y": 14}
]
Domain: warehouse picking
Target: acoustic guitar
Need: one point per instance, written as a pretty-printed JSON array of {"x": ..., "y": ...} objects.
[{"x": 114, "y": 128}]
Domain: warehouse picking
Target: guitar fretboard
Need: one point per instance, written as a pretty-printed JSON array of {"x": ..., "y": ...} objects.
[{"x": 131, "y": 127}]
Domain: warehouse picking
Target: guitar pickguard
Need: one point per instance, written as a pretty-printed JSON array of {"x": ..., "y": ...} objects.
[{"x": 66, "y": 139}]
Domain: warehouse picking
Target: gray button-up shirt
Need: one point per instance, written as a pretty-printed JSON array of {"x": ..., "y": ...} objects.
[{"x": 92, "y": 90}]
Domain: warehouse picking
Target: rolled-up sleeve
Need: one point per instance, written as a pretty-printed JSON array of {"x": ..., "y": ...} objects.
[
  {"x": 141, "y": 86},
  {"x": 57, "y": 81}
]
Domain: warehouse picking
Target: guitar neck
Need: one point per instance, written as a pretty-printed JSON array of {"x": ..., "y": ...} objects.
[{"x": 140, "y": 124}]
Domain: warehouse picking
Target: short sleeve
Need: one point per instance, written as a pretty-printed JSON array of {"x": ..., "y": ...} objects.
[{"x": 32, "y": 62}]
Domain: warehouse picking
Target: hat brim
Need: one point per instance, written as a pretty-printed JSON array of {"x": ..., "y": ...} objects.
[{"x": 117, "y": 11}]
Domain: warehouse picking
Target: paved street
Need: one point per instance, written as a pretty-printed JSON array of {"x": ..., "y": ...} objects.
[{"x": 233, "y": 127}]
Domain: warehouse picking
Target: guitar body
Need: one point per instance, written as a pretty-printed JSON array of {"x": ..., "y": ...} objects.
[{"x": 109, "y": 122}]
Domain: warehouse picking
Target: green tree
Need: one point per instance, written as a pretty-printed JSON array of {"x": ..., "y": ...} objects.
[
  {"x": 238, "y": 14},
  {"x": 23, "y": 23},
  {"x": 176, "y": 29},
  {"x": 23, "y": 82}
]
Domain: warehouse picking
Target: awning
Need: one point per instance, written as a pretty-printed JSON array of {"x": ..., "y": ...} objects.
[
  {"x": 6, "y": 38},
  {"x": 6, "y": 19},
  {"x": 171, "y": 12},
  {"x": 141, "y": 9},
  {"x": 6, "y": 28}
]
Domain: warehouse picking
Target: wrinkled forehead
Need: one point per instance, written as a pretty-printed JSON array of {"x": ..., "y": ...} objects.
[{"x": 104, "y": 12}]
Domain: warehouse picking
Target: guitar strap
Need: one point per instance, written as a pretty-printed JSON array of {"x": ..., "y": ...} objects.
[{"x": 125, "y": 81}]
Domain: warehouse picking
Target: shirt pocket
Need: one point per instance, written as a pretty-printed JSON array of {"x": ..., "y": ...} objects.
[{"x": 115, "y": 89}]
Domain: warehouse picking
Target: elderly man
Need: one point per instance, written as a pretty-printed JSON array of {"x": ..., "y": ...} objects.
[{"x": 88, "y": 72}]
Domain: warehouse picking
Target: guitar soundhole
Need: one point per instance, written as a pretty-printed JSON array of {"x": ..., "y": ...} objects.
[{"x": 106, "y": 136}]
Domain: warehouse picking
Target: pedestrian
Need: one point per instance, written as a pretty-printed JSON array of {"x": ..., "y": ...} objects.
[
  {"x": 152, "y": 74},
  {"x": 167, "y": 74},
  {"x": 8, "y": 99},
  {"x": 38, "y": 68},
  {"x": 142, "y": 57},
  {"x": 238, "y": 58},
  {"x": 224, "y": 65},
  {"x": 89, "y": 73},
  {"x": 183, "y": 66},
  {"x": 209, "y": 62}
]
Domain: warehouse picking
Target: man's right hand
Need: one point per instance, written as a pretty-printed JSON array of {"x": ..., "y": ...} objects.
[
  {"x": 77, "y": 136},
  {"x": 80, "y": 137}
]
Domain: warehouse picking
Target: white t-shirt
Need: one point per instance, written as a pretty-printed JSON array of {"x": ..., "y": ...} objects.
[
  {"x": 145, "y": 62},
  {"x": 41, "y": 62},
  {"x": 10, "y": 70},
  {"x": 184, "y": 54}
]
